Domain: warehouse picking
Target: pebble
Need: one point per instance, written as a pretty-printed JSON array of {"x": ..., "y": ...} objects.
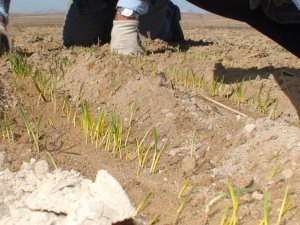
[
  {"x": 228, "y": 91},
  {"x": 287, "y": 174},
  {"x": 257, "y": 196},
  {"x": 238, "y": 117},
  {"x": 174, "y": 152},
  {"x": 169, "y": 115},
  {"x": 165, "y": 111},
  {"x": 188, "y": 164},
  {"x": 228, "y": 137},
  {"x": 249, "y": 128}
]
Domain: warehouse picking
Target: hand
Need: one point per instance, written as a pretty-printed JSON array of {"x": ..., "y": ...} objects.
[
  {"x": 125, "y": 38},
  {"x": 5, "y": 43}
]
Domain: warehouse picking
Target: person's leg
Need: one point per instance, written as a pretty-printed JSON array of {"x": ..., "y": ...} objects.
[
  {"x": 88, "y": 22},
  {"x": 287, "y": 36},
  {"x": 5, "y": 43},
  {"x": 162, "y": 22}
]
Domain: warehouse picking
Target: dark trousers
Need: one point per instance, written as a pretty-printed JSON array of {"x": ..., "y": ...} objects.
[{"x": 287, "y": 35}]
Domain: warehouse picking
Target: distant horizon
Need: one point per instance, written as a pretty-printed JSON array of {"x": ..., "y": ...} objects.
[{"x": 60, "y": 6}]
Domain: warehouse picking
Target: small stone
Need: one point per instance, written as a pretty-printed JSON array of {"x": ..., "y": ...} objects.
[
  {"x": 174, "y": 152},
  {"x": 228, "y": 90},
  {"x": 165, "y": 111},
  {"x": 257, "y": 196},
  {"x": 169, "y": 115},
  {"x": 188, "y": 164},
  {"x": 228, "y": 137},
  {"x": 249, "y": 128},
  {"x": 287, "y": 174},
  {"x": 41, "y": 168}
]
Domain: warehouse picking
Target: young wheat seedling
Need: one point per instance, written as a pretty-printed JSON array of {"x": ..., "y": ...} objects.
[
  {"x": 277, "y": 165},
  {"x": 99, "y": 128},
  {"x": 66, "y": 107},
  {"x": 52, "y": 160},
  {"x": 143, "y": 203},
  {"x": 34, "y": 133},
  {"x": 19, "y": 65},
  {"x": 266, "y": 213},
  {"x": 285, "y": 205},
  {"x": 6, "y": 128},
  {"x": 193, "y": 144},
  {"x": 274, "y": 113},
  {"x": 157, "y": 153},
  {"x": 154, "y": 220},
  {"x": 224, "y": 194},
  {"x": 235, "y": 197},
  {"x": 266, "y": 103},
  {"x": 183, "y": 203},
  {"x": 185, "y": 184},
  {"x": 86, "y": 120},
  {"x": 40, "y": 84},
  {"x": 224, "y": 216},
  {"x": 239, "y": 93},
  {"x": 139, "y": 148},
  {"x": 78, "y": 99}
]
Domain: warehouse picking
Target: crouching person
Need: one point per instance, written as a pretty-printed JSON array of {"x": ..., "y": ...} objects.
[{"x": 120, "y": 22}]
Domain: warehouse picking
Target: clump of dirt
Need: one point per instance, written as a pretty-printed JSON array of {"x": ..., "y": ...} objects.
[
  {"x": 33, "y": 195},
  {"x": 224, "y": 109}
]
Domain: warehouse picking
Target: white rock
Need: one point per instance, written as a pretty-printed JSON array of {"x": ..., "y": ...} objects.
[
  {"x": 238, "y": 117},
  {"x": 174, "y": 152},
  {"x": 287, "y": 174},
  {"x": 257, "y": 196},
  {"x": 249, "y": 128},
  {"x": 169, "y": 115}
]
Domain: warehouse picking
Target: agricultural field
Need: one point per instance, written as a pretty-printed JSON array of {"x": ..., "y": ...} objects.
[{"x": 201, "y": 132}]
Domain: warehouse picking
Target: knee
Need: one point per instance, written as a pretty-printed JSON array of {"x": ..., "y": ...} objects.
[{"x": 87, "y": 29}]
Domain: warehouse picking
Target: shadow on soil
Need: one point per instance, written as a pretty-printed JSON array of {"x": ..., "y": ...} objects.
[
  {"x": 183, "y": 46},
  {"x": 288, "y": 79}
]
